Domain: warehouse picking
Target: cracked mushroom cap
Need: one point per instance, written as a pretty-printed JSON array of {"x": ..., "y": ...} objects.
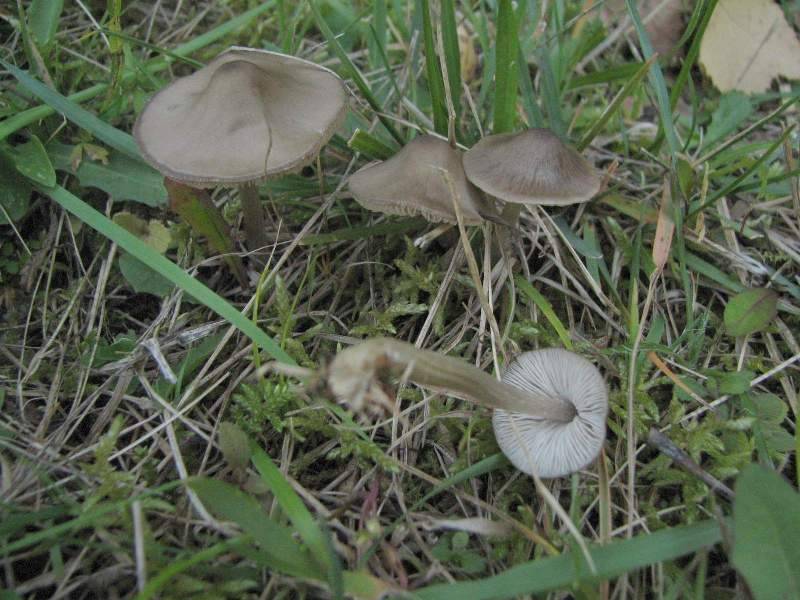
[
  {"x": 549, "y": 448},
  {"x": 247, "y": 116},
  {"x": 411, "y": 183},
  {"x": 531, "y": 167}
]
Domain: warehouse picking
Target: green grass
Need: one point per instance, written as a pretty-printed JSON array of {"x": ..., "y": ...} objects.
[{"x": 114, "y": 381}]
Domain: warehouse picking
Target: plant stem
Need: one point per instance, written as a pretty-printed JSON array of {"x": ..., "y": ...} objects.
[
  {"x": 362, "y": 362},
  {"x": 255, "y": 225}
]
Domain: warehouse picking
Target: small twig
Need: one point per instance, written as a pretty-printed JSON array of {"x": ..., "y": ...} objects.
[
  {"x": 666, "y": 446},
  {"x": 138, "y": 544}
]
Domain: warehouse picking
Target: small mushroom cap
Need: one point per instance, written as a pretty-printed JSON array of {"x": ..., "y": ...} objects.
[
  {"x": 531, "y": 167},
  {"x": 548, "y": 448},
  {"x": 247, "y": 116},
  {"x": 411, "y": 183}
]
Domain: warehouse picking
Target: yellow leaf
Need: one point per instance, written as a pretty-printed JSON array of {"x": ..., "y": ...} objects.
[
  {"x": 747, "y": 44},
  {"x": 665, "y": 227},
  {"x": 152, "y": 233}
]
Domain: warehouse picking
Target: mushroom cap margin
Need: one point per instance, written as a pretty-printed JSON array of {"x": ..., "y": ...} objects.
[{"x": 196, "y": 138}]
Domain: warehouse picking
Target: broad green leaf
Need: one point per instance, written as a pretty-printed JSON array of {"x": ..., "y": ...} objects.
[
  {"x": 770, "y": 412},
  {"x": 152, "y": 232},
  {"x": 733, "y": 109},
  {"x": 121, "y": 177},
  {"x": 43, "y": 16},
  {"x": 275, "y": 540},
  {"x": 32, "y": 161},
  {"x": 142, "y": 278},
  {"x": 769, "y": 408},
  {"x": 766, "y": 526},
  {"x": 234, "y": 444},
  {"x": 737, "y": 382},
  {"x": 15, "y": 191},
  {"x": 561, "y": 572},
  {"x": 750, "y": 311},
  {"x": 776, "y": 438}
]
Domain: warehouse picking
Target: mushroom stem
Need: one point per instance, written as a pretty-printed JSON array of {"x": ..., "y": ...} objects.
[
  {"x": 355, "y": 365},
  {"x": 255, "y": 225},
  {"x": 511, "y": 212}
]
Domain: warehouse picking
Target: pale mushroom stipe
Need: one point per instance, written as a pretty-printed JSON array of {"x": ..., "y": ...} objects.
[
  {"x": 247, "y": 116},
  {"x": 550, "y": 407}
]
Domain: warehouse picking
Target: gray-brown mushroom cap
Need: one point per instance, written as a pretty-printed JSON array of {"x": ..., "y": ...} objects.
[
  {"x": 531, "y": 167},
  {"x": 247, "y": 116},
  {"x": 411, "y": 183},
  {"x": 550, "y": 448}
]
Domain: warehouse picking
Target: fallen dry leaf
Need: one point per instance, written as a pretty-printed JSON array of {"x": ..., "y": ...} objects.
[
  {"x": 469, "y": 58},
  {"x": 665, "y": 227},
  {"x": 747, "y": 44},
  {"x": 663, "y": 20}
]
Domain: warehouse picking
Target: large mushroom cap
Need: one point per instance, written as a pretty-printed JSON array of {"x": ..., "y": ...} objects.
[
  {"x": 554, "y": 449},
  {"x": 411, "y": 183},
  {"x": 246, "y": 116},
  {"x": 531, "y": 167}
]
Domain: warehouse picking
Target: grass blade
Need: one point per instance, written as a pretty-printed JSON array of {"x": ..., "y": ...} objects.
[
  {"x": 656, "y": 81},
  {"x": 168, "y": 573},
  {"x": 85, "y": 519},
  {"x": 119, "y": 140},
  {"x": 376, "y": 44},
  {"x": 275, "y": 540},
  {"x": 550, "y": 95},
  {"x": 506, "y": 68},
  {"x": 557, "y": 572},
  {"x": 368, "y": 145},
  {"x": 166, "y": 268},
  {"x": 626, "y": 90},
  {"x": 452, "y": 54},
  {"x": 352, "y": 72},
  {"x": 693, "y": 52},
  {"x": 304, "y": 523},
  {"x": 43, "y": 17},
  {"x": 433, "y": 72},
  {"x": 546, "y": 308},
  {"x": 532, "y": 110},
  {"x": 752, "y": 168}
]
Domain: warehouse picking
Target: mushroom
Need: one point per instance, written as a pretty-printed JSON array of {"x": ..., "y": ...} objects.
[
  {"x": 552, "y": 448},
  {"x": 531, "y": 167},
  {"x": 550, "y": 407},
  {"x": 247, "y": 116},
  {"x": 412, "y": 182}
]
